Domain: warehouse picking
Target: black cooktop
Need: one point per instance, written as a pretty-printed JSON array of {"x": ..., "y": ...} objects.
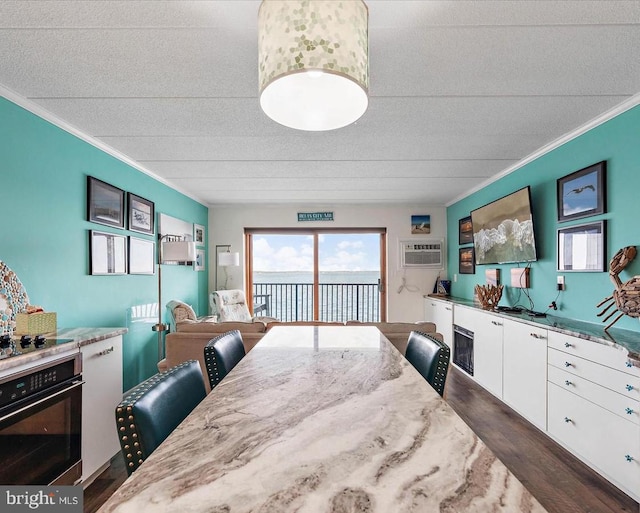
[{"x": 16, "y": 346}]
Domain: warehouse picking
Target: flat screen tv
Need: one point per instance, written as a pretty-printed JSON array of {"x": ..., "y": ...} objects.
[{"x": 503, "y": 230}]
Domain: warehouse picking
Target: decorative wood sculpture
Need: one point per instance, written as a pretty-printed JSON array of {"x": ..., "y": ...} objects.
[
  {"x": 489, "y": 295},
  {"x": 626, "y": 296}
]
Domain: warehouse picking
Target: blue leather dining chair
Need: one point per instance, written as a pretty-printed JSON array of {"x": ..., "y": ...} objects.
[
  {"x": 430, "y": 357},
  {"x": 154, "y": 408},
  {"x": 221, "y": 354}
]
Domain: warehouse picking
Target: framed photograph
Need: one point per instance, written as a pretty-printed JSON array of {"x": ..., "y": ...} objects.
[
  {"x": 141, "y": 214},
  {"x": 105, "y": 203},
  {"x": 583, "y": 193},
  {"x": 108, "y": 253},
  {"x": 199, "y": 263},
  {"x": 467, "y": 261},
  {"x": 420, "y": 224},
  {"x": 465, "y": 231},
  {"x": 142, "y": 254},
  {"x": 198, "y": 234},
  {"x": 581, "y": 248}
]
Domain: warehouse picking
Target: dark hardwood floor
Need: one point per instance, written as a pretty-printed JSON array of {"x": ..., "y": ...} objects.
[
  {"x": 560, "y": 482},
  {"x": 105, "y": 484}
]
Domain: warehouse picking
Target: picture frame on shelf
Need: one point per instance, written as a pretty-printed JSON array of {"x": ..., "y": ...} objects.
[
  {"x": 466, "y": 260},
  {"x": 107, "y": 253},
  {"x": 581, "y": 248},
  {"x": 141, "y": 256},
  {"x": 199, "y": 263},
  {"x": 141, "y": 214},
  {"x": 465, "y": 231},
  {"x": 582, "y": 193},
  {"x": 105, "y": 203},
  {"x": 199, "y": 235}
]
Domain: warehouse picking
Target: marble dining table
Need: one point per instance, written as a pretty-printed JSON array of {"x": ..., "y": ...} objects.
[{"x": 322, "y": 419}]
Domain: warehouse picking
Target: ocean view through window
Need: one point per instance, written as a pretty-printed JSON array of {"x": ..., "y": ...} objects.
[{"x": 317, "y": 275}]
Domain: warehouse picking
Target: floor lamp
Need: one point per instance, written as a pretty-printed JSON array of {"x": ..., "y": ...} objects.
[
  {"x": 174, "y": 249},
  {"x": 224, "y": 260}
]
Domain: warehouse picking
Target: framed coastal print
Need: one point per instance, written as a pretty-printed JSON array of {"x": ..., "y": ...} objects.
[
  {"x": 198, "y": 264},
  {"x": 105, "y": 203},
  {"x": 108, "y": 253},
  {"x": 141, "y": 256},
  {"x": 141, "y": 214},
  {"x": 581, "y": 248},
  {"x": 465, "y": 231},
  {"x": 467, "y": 260},
  {"x": 583, "y": 193},
  {"x": 420, "y": 224}
]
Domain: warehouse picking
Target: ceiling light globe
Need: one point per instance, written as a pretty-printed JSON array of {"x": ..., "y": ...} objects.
[{"x": 313, "y": 62}]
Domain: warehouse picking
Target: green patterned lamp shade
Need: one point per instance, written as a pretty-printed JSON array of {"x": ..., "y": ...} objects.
[{"x": 313, "y": 62}]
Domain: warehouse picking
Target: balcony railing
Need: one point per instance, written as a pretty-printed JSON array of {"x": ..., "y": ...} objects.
[{"x": 339, "y": 302}]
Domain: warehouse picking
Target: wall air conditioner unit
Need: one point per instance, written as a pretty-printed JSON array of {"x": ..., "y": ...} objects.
[{"x": 422, "y": 253}]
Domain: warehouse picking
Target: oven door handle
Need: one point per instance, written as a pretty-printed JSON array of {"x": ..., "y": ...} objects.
[{"x": 74, "y": 384}]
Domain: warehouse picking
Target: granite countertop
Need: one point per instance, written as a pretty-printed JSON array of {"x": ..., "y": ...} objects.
[
  {"x": 318, "y": 419},
  {"x": 626, "y": 339},
  {"x": 62, "y": 341}
]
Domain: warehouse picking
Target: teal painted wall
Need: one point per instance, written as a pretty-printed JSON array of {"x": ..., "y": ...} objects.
[
  {"x": 44, "y": 235},
  {"x": 617, "y": 141}
]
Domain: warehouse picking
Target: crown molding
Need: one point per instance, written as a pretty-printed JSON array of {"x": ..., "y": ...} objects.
[
  {"x": 41, "y": 112},
  {"x": 597, "y": 121}
]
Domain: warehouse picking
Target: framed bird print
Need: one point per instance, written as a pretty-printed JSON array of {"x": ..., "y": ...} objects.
[{"x": 582, "y": 193}]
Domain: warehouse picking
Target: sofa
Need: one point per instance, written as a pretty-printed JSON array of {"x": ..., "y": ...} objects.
[{"x": 189, "y": 338}]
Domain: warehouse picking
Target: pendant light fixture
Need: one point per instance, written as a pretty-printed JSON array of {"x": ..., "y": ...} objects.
[{"x": 313, "y": 62}]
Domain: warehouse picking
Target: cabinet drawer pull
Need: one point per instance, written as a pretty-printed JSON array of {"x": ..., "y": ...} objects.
[
  {"x": 629, "y": 411},
  {"x": 447, "y": 308},
  {"x": 535, "y": 335},
  {"x": 628, "y": 457},
  {"x": 496, "y": 323},
  {"x": 567, "y": 344},
  {"x": 567, "y": 420},
  {"x": 106, "y": 351},
  {"x": 567, "y": 364},
  {"x": 629, "y": 388},
  {"x": 568, "y": 383}
]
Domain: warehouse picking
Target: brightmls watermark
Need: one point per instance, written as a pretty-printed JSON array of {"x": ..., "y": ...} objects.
[{"x": 51, "y": 499}]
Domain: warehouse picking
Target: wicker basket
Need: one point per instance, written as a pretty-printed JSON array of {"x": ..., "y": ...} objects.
[{"x": 35, "y": 323}]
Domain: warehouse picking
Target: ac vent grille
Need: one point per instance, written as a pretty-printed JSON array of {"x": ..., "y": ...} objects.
[{"x": 422, "y": 254}]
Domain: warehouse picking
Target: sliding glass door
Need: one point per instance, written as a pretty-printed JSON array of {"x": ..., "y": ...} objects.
[{"x": 326, "y": 275}]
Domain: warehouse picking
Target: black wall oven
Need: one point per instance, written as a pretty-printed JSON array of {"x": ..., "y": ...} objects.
[
  {"x": 40, "y": 419},
  {"x": 463, "y": 349}
]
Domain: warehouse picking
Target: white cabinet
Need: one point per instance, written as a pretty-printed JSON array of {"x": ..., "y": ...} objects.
[
  {"x": 594, "y": 407},
  {"x": 488, "y": 350},
  {"x": 524, "y": 385},
  {"x": 440, "y": 313},
  {"x": 102, "y": 391}
]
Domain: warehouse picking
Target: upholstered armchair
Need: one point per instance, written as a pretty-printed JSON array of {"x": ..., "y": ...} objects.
[{"x": 231, "y": 305}]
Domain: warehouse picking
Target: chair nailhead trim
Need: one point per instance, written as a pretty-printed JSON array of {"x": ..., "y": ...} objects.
[{"x": 127, "y": 427}]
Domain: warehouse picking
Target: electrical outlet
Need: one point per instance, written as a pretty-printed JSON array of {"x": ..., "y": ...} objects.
[
  {"x": 455, "y": 278},
  {"x": 560, "y": 282}
]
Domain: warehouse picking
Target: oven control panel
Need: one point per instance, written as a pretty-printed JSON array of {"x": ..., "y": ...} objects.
[{"x": 18, "y": 386}]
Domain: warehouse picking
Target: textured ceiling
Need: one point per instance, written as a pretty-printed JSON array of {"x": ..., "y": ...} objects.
[{"x": 460, "y": 91}]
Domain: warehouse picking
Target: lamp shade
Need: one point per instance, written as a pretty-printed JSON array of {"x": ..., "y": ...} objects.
[
  {"x": 179, "y": 251},
  {"x": 313, "y": 62},
  {"x": 228, "y": 259}
]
